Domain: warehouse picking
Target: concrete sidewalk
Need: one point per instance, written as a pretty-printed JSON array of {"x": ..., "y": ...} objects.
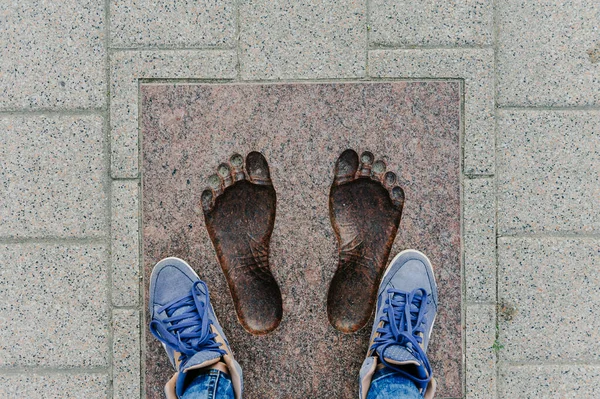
[{"x": 70, "y": 294}]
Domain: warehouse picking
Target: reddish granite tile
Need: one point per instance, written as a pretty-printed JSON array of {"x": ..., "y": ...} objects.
[{"x": 301, "y": 129}]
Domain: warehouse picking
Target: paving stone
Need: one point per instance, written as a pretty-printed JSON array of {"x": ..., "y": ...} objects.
[
  {"x": 53, "y": 305},
  {"x": 481, "y": 359},
  {"x": 125, "y": 243},
  {"x": 126, "y": 354},
  {"x": 548, "y": 299},
  {"x": 52, "y": 54},
  {"x": 430, "y": 22},
  {"x": 548, "y": 171},
  {"x": 550, "y": 382},
  {"x": 200, "y": 23},
  {"x": 302, "y": 40},
  {"x": 53, "y": 174},
  {"x": 479, "y": 239},
  {"x": 54, "y": 386},
  {"x": 129, "y": 66},
  {"x": 476, "y": 67},
  {"x": 546, "y": 53}
]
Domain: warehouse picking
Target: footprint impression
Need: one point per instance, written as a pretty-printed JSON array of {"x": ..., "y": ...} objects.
[
  {"x": 365, "y": 206},
  {"x": 239, "y": 211}
]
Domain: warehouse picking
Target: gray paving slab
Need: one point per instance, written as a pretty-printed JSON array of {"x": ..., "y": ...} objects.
[
  {"x": 53, "y": 176},
  {"x": 476, "y": 67},
  {"x": 200, "y": 23},
  {"x": 53, "y": 55},
  {"x": 126, "y": 354},
  {"x": 430, "y": 23},
  {"x": 481, "y": 358},
  {"x": 54, "y": 386},
  {"x": 548, "y": 171},
  {"x": 125, "y": 243},
  {"x": 302, "y": 39},
  {"x": 546, "y": 53},
  {"x": 550, "y": 382},
  {"x": 548, "y": 299},
  {"x": 479, "y": 239},
  {"x": 53, "y": 305},
  {"x": 127, "y": 67}
]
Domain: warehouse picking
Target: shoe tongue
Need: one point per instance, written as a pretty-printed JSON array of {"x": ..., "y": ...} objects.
[
  {"x": 203, "y": 358},
  {"x": 398, "y": 355}
]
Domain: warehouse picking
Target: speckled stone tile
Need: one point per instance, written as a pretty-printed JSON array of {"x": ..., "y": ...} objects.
[
  {"x": 201, "y": 23},
  {"x": 481, "y": 359},
  {"x": 127, "y": 68},
  {"x": 547, "y": 53},
  {"x": 430, "y": 22},
  {"x": 480, "y": 239},
  {"x": 301, "y": 129},
  {"x": 53, "y": 54},
  {"x": 53, "y": 305},
  {"x": 302, "y": 39},
  {"x": 126, "y": 353},
  {"x": 476, "y": 68},
  {"x": 125, "y": 243},
  {"x": 550, "y": 382},
  {"x": 53, "y": 174},
  {"x": 548, "y": 172},
  {"x": 548, "y": 299},
  {"x": 54, "y": 385}
]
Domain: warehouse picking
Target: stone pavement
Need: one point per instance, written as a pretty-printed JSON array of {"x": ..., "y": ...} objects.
[{"x": 70, "y": 265}]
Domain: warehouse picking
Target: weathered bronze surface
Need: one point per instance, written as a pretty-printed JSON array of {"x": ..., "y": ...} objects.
[
  {"x": 239, "y": 212},
  {"x": 365, "y": 207}
]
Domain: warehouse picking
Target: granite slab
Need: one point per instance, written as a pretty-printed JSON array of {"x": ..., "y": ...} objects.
[{"x": 414, "y": 126}]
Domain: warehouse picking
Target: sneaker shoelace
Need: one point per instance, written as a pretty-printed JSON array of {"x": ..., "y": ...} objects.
[
  {"x": 404, "y": 320},
  {"x": 188, "y": 331}
]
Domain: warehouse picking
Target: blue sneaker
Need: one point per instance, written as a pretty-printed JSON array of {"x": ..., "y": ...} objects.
[
  {"x": 184, "y": 321},
  {"x": 400, "y": 334}
]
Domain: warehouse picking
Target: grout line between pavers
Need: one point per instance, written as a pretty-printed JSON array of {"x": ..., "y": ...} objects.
[
  {"x": 53, "y": 370},
  {"x": 238, "y": 34},
  {"x": 125, "y": 179},
  {"x": 483, "y": 176},
  {"x": 136, "y": 308},
  {"x": 108, "y": 149},
  {"x": 368, "y": 34},
  {"x": 141, "y": 274},
  {"x": 548, "y": 108},
  {"x": 540, "y": 363},
  {"x": 472, "y": 304},
  {"x": 463, "y": 280},
  {"x": 366, "y": 79},
  {"x": 550, "y": 235},
  {"x": 380, "y": 46},
  {"x": 167, "y": 49},
  {"x": 101, "y": 240},
  {"x": 495, "y": 36},
  {"x": 54, "y": 112}
]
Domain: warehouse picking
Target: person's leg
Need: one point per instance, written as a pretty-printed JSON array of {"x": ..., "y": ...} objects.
[
  {"x": 184, "y": 321},
  {"x": 213, "y": 384},
  {"x": 396, "y": 365},
  {"x": 387, "y": 383}
]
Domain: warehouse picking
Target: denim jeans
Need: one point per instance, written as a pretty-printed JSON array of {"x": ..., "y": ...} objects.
[
  {"x": 211, "y": 385},
  {"x": 386, "y": 384}
]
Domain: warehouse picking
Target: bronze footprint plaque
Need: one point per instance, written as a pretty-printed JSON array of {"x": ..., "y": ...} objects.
[{"x": 190, "y": 135}]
